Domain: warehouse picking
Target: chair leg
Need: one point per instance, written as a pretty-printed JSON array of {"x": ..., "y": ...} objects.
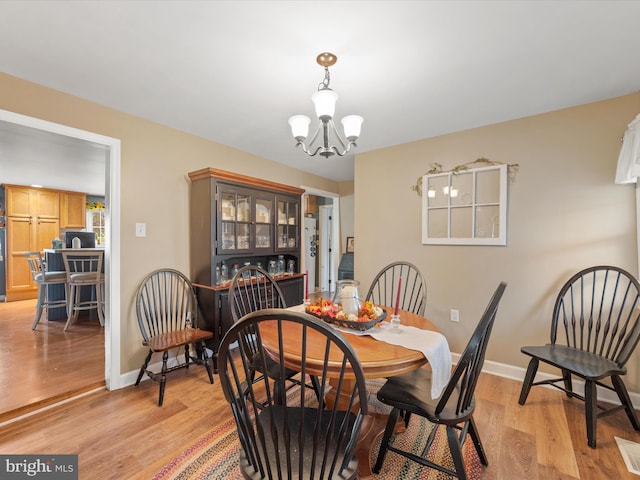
[
  {"x": 42, "y": 298},
  {"x": 475, "y": 437},
  {"x": 386, "y": 438},
  {"x": 406, "y": 416},
  {"x": 623, "y": 395},
  {"x": 279, "y": 392},
  {"x": 591, "y": 411},
  {"x": 187, "y": 358},
  {"x": 528, "y": 380},
  {"x": 71, "y": 311},
  {"x": 163, "y": 376},
  {"x": 316, "y": 388},
  {"x": 208, "y": 363},
  {"x": 144, "y": 367},
  {"x": 456, "y": 452},
  {"x": 568, "y": 387},
  {"x": 100, "y": 304}
]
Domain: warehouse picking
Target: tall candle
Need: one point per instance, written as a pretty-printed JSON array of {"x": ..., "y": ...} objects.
[
  {"x": 306, "y": 284},
  {"x": 349, "y": 300},
  {"x": 398, "y": 296}
]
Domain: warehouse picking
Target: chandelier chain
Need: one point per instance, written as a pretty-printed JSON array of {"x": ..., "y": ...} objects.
[{"x": 324, "y": 85}]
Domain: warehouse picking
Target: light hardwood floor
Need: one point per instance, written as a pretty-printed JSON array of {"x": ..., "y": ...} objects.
[
  {"x": 125, "y": 435},
  {"x": 39, "y": 367}
]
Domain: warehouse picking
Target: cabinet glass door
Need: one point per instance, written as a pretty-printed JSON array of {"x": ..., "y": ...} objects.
[
  {"x": 287, "y": 224},
  {"x": 235, "y": 220},
  {"x": 263, "y": 217}
]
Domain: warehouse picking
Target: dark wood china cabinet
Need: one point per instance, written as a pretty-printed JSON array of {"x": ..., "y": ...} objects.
[{"x": 234, "y": 220}]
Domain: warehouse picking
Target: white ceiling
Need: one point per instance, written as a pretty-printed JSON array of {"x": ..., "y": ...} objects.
[
  {"x": 234, "y": 71},
  {"x": 30, "y": 156}
]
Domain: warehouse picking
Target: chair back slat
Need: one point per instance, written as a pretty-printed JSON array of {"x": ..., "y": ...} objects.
[
  {"x": 597, "y": 311},
  {"x": 83, "y": 262},
  {"x": 294, "y": 438},
  {"x": 36, "y": 264},
  {"x": 165, "y": 302},
  {"x": 252, "y": 289},
  {"x": 413, "y": 291},
  {"x": 464, "y": 378}
]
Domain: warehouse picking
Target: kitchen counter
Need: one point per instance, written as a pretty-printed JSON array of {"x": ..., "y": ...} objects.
[{"x": 60, "y": 250}]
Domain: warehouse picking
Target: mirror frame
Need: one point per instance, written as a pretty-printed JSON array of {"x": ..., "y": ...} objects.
[{"x": 468, "y": 207}]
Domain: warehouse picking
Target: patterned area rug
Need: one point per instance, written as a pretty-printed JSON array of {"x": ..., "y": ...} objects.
[{"x": 215, "y": 456}]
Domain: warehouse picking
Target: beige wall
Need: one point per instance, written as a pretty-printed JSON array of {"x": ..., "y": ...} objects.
[
  {"x": 345, "y": 189},
  {"x": 565, "y": 213},
  {"x": 154, "y": 187}
]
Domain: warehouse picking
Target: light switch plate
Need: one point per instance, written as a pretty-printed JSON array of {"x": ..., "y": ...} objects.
[{"x": 141, "y": 229}]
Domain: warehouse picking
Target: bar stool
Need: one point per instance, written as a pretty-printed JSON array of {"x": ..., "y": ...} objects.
[
  {"x": 83, "y": 269},
  {"x": 43, "y": 279}
]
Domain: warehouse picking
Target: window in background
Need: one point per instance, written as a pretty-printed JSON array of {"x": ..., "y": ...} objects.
[{"x": 95, "y": 223}]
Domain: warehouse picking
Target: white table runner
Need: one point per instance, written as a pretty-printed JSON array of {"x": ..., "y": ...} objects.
[{"x": 433, "y": 345}]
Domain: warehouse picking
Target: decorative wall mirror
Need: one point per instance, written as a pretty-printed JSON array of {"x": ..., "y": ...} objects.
[{"x": 465, "y": 208}]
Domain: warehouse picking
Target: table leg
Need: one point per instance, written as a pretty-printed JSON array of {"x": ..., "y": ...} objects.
[{"x": 373, "y": 426}]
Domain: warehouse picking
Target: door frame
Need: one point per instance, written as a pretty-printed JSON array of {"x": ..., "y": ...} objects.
[
  {"x": 335, "y": 224},
  {"x": 112, "y": 229},
  {"x": 326, "y": 247}
]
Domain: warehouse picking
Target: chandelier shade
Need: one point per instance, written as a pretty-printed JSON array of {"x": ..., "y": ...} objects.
[
  {"x": 352, "y": 124},
  {"x": 300, "y": 126},
  {"x": 325, "y": 100}
]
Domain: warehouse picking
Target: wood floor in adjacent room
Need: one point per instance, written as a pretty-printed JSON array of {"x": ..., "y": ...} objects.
[{"x": 38, "y": 367}]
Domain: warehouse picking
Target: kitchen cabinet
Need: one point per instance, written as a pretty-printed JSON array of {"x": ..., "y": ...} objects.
[
  {"x": 33, "y": 220},
  {"x": 27, "y": 202},
  {"x": 237, "y": 219},
  {"x": 72, "y": 210}
]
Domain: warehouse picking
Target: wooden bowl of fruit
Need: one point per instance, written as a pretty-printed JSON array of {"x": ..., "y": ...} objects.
[{"x": 367, "y": 317}]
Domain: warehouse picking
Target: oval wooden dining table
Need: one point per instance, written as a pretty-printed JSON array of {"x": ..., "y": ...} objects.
[{"x": 378, "y": 360}]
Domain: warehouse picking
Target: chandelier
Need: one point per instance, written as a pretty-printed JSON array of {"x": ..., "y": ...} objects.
[{"x": 325, "y": 103}]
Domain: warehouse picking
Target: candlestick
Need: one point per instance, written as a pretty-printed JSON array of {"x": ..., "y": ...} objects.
[
  {"x": 398, "y": 297},
  {"x": 306, "y": 284}
]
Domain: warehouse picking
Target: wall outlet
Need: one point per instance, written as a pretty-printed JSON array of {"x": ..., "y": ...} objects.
[{"x": 454, "y": 316}]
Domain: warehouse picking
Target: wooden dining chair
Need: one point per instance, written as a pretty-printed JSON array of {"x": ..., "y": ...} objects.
[
  {"x": 410, "y": 394},
  {"x": 84, "y": 270},
  {"x": 167, "y": 312},
  {"x": 296, "y": 438},
  {"x": 252, "y": 289},
  {"x": 44, "y": 278},
  {"x": 595, "y": 328},
  {"x": 413, "y": 291}
]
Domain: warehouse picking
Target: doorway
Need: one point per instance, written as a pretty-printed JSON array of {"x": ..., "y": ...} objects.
[
  {"x": 325, "y": 248},
  {"x": 322, "y": 264},
  {"x": 112, "y": 230}
]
